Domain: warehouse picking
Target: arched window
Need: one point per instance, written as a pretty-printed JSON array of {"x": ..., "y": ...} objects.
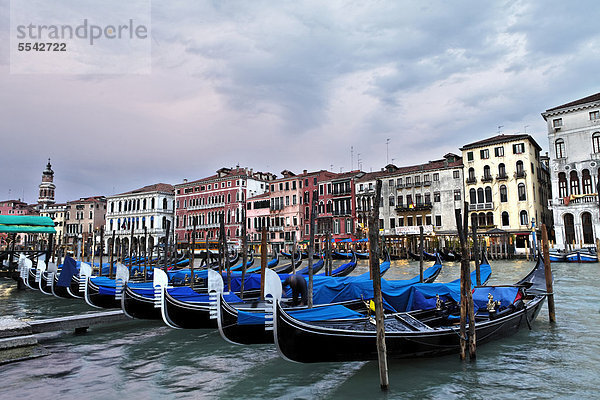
[
  {"x": 574, "y": 182},
  {"x": 562, "y": 185},
  {"x": 569, "y": 228},
  {"x": 144, "y": 204},
  {"x": 586, "y": 225},
  {"x": 473, "y": 196},
  {"x": 521, "y": 191},
  {"x": 596, "y": 142},
  {"x": 501, "y": 170},
  {"x": 523, "y": 219},
  {"x": 471, "y": 174},
  {"x": 559, "y": 146},
  {"x": 481, "y": 219},
  {"x": 153, "y": 204},
  {"x": 503, "y": 194},
  {"x": 164, "y": 204},
  {"x": 586, "y": 180},
  {"x": 120, "y": 206},
  {"x": 474, "y": 219},
  {"x": 489, "y": 216},
  {"x": 520, "y": 170},
  {"x": 487, "y": 172},
  {"x": 488, "y": 194},
  {"x": 480, "y": 196},
  {"x": 329, "y": 207},
  {"x": 505, "y": 219}
]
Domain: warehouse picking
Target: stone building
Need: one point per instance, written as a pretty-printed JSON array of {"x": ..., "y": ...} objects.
[
  {"x": 506, "y": 187},
  {"x": 83, "y": 218},
  {"x": 147, "y": 210},
  {"x": 574, "y": 139}
]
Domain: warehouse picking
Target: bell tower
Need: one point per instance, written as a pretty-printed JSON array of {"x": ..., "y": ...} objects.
[{"x": 46, "y": 196}]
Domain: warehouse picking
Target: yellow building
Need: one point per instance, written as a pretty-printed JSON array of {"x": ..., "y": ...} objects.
[{"x": 506, "y": 186}]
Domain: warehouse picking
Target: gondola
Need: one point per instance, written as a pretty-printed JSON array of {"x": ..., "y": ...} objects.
[
  {"x": 345, "y": 269},
  {"x": 362, "y": 256},
  {"x": 286, "y": 269},
  {"x": 450, "y": 255},
  {"x": 244, "y": 327},
  {"x": 338, "y": 255},
  {"x": 316, "y": 268},
  {"x": 426, "y": 256},
  {"x": 418, "y": 333},
  {"x": 104, "y": 292}
]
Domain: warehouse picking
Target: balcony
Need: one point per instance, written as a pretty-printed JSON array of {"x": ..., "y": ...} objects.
[
  {"x": 417, "y": 207},
  {"x": 408, "y": 185},
  {"x": 481, "y": 206},
  {"x": 343, "y": 192},
  {"x": 471, "y": 180},
  {"x": 276, "y": 229},
  {"x": 427, "y": 183},
  {"x": 502, "y": 177},
  {"x": 487, "y": 178},
  {"x": 520, "y": 174},
  {"x": 417, "y": 184},
  {"x": 340, "y": 213},
  {"x": 581, "y": 199},
  {"x": 206, "y": 206}
]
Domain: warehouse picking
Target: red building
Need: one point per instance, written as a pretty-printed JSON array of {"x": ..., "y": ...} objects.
[
  {"x": 337, "y": 206},
  {"x": 205, "y": 201}
]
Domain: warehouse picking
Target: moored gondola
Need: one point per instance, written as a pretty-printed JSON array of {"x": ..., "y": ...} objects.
[{"x": 418, "y": 333}]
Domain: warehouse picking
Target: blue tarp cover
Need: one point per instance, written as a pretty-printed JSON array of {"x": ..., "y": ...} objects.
[
  {"x": 313, "y": 314},
  {"x": 69, "y": 268},
  {"x": 505, "y": 294}
]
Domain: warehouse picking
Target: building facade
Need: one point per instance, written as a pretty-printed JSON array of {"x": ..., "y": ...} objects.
[
  {"x": 203, "y": 202},
  {"x": 413, "y": 196},
  {"x": 146, "y": 210},
  {"x": 57, "y": 213},
  {"x": 17, "y": 207},
  {"x": 83, "y": 219},
  {"x": 506, "y": 187},
  {"x": 574, "y": 139}
]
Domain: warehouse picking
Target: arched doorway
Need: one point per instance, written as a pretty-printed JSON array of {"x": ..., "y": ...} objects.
[
  {"x": 586, "y": 224},
  {"x": 569, "y": 229}
]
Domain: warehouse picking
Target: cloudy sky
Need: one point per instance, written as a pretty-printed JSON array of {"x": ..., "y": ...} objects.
[{"x": 294, "y": 85}]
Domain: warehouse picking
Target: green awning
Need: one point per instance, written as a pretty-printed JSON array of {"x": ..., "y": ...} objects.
[{"x": 26, "y": 224}]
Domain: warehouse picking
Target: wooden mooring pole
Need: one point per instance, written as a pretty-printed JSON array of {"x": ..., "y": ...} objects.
[
  {"x": 467, "y": 341},
  {"x": 112, "y": 256},
  {"x": 420, "y": 253},
  {"x": 263, "y": 260},
  {"x": 166, "y": 243},
  {"x": 311, "y": 247},
  {"x": 476, "y": 250},
  {"x": 548, "y": 272},
  {"x": 377, "y": 298},
  {"x": 244, "y": 250}
]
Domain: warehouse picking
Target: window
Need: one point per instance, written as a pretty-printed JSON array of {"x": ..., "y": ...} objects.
[
  {"x": 456, "y": 194},
  {"x": 471, "y": 174},
  {"x": 586, "y": 179},
  {"x": 503, "y": 194},
  {"x": 417, "y": 179},
  {"x": 562, "y": 185},
  {"x": 596, "y": 142},
  {"x": 559, "y": 146},
  {"x": 391, "y": 183},
  {"x": 419, "y": 199},
  {"x": 409, "y": 221},
  {"x": 574, "y": 183},
  {"x": 436, "y": 197},
  {"x": 438, "y": 220},
  {"x": 419, "y": 220},
  {"x": 588, "y": 231},
  {"x": 489, "y": 217},
  {"x": 501, "y": 170},
  {"x": 455, "y": 175},
  {"x": 391, "y": 201},
  {"x": 519, "y": 148},
  {"x": 488, "y": 194},
  {"x": 392, "y": 223},
  {"x": 401, "y": 221},
  {"x": 399, "y": 182},
  {"x": 436, "y": 176},
  {"x": 480, "y": 196},
  {"x": 428, "y": 199},
  {"x": 520, "y": 170},
  {"x": 523, "y": 218},
  {"x": 428, "y": 220},
  {"x": 487, "y": 172},
  {"x": 484, "y": 154},
  {"x": 505, "y": 219},
  {"x": 594, "y": 115},
  {"x": 470, "y": 156},
  {"x": 426, "y": 178},
  {"x": 473, "y": 196},
  {"x": 521, "y": 191},
  {"x": 557, "y": 123},
  {"x": 499, "y": 151},
  {"x": 287, "y": 186}
]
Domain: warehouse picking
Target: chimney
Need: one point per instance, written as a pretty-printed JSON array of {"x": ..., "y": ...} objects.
[{"x": 184, "y": 180}]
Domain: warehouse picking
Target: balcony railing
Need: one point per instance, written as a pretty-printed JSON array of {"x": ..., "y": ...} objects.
[
  {"x": 276, "y": 229},
  {"x": 338, "y": 213},
  {"x": 471, "y": 180},
  {"x": 417, "y": 184},
  {"x": 481, "y": 206},
  {"x": 487, "y": 178},
  {"x": 416, "y": 207},
  {"x": 206, "y": 206},
  {"x": 341, "y": 192},
  {"x": 408, "y": 185},
  {"x": 502, "y": 177},
  {"x": 583, "y": 199},
  {"x": 427, "y": 183},
  {"x": 520, "y": 174}
]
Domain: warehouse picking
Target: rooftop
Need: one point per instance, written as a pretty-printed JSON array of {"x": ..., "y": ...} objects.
[
  {"x": 157, "y": 187},
  {"x": 501, "y": 139},
  {"x": 589, "y": 99}
]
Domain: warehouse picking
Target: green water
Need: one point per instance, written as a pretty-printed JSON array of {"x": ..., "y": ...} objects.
[{"x": 147, "y": 360}]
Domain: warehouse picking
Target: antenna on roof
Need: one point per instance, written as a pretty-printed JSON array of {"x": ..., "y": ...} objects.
[
  {"x": 500, "y": 128},
  {"x": 351, "y": 157},
  {"x": 525, "y": 128},
  {"x": 387, "y": 151}
]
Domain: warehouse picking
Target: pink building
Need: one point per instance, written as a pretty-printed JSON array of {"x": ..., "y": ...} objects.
[
  {"x": 258, "y": 213},
  {"x": 17, "y": 207},
  {"x": 205, "y": 201}
]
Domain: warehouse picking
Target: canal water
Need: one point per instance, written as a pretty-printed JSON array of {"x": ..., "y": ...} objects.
[{"x": 147, "y": 360}]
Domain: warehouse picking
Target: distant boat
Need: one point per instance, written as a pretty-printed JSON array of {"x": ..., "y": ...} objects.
[
  {"x": 586, "y": 255},
  {"x": 557, "y": 256}
]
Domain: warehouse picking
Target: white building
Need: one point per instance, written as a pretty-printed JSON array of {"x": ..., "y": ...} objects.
[
  {"x": 574, "y": 138},
  {"x": 146, "y": 210},
  {"x": 418, "y": 195}
]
